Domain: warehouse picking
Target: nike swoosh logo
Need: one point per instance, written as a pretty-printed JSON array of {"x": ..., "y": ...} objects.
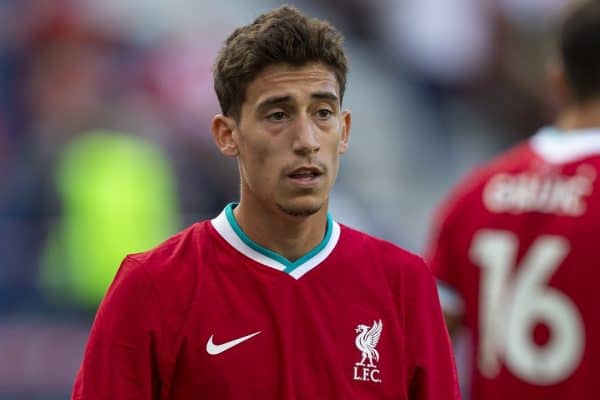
[{"x": 214, "y": 349}]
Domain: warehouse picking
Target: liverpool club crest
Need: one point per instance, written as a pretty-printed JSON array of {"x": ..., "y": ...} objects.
[{"x": 366, "y": 342}]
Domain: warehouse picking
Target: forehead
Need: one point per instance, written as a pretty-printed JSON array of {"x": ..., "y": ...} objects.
[{"x": 289, "y": 80}]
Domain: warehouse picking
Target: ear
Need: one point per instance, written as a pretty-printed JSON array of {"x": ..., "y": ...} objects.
[
  {"x": 222, "y": 129},
  {"x": 346, "y": 123}
]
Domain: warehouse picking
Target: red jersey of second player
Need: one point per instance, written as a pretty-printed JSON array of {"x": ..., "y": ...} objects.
[
  {"x": 518, "y": 242},
  {"x": 212, "y": 315}
]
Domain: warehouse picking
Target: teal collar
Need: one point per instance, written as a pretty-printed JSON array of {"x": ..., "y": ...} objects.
[{"x": 230, "y": 230}]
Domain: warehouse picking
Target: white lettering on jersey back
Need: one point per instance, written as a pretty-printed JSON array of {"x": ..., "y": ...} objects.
[{"x": 541, "y": 191}]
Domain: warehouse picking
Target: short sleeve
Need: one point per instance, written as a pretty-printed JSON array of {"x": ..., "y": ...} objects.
[
  {"x": 432, "y": 374},
  {"x": 122, "y": 358},
  {"x": 439, "y": 249}
]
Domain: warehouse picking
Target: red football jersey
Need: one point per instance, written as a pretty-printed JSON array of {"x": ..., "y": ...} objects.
[
  {"x": 518, "y": 242},
  {"x": 210, "y": 314}
]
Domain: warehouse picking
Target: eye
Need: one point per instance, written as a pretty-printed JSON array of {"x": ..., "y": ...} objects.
[
  {"x": 276, "y": 116},
  {"x": 324, "y": 114}
]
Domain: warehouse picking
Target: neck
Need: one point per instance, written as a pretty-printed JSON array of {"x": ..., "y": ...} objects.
[
  {"x": 580, "y": 116},
  {"x": 290, "y": 236}
]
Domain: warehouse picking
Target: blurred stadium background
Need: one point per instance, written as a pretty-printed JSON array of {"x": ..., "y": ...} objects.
[{"x": 105, "y": 145}]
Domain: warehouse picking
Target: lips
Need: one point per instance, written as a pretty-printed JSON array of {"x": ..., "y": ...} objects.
[
  {"x": 305, "y": 172},
  {"x": 307, "y": 177}
]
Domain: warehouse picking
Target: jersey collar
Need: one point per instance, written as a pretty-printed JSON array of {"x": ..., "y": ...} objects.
[
  {"x": 556, "y": 146},
  {"x": 227, "y": 226}
]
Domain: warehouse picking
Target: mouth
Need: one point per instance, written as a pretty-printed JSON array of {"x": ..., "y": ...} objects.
[{"x": 305, "y": 176}]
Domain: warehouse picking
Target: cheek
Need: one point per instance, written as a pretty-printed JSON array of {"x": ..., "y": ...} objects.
[
  {"x": 334, "y": 157},
  {"x": 265, "y": 156},
  {"x": 262, "y": 162},
  {"x": 253, "y": 151},
  {"x": 333, "y": 148}
]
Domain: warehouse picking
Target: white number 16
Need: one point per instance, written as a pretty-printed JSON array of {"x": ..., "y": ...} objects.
[{"x": 512, "y": 304}]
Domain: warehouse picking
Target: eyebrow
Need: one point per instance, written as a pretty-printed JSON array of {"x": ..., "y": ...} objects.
[
  {"x": 271, "y": 101},
  {"x": 325, "y": 96}
]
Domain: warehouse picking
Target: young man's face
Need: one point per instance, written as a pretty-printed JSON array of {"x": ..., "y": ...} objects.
[{"x": 289, "y": 137}]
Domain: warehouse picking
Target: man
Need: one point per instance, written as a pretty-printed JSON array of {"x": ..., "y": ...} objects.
[
  {"x": 273, "y": 299},
  {"x": 516, "y": 245}
]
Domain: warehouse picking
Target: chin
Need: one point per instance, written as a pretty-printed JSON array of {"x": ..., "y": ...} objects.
[{"x": 300, "y": 209}]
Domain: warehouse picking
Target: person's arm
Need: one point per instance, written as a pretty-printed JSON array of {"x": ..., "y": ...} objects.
[
  {"x": 433, "y": 372},
  {"x": 442, "y": 261},
  {"x": 452, "y": 307},
  {"x": 122, "y": 360},
  {"x": 453, "y": 323}
]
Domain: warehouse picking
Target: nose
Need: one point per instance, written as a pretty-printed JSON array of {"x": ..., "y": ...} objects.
[{"x": 306, "y": 139}]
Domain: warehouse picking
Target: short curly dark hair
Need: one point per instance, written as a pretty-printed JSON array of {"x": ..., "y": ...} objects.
[
  {"x": 579, "y": 42},
  {"x": 281, "y": 36}
]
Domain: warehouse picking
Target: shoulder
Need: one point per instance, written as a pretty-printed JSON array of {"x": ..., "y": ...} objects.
[
  {"x": 169, "y": 273},
  {"x": 174, "y": 250},
  {"x": 172, "y": 265},
  {"x": 512, "y": 159},
  {"x": 393, "y": 258},
  {"x": 466, "y": 194}
]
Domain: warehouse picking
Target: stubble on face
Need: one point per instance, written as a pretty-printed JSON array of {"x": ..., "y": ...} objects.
[
  {"x": 296, "y": 206},
  {"x": 299, "y": 84},
  {"x": 300, "y": 212}
]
